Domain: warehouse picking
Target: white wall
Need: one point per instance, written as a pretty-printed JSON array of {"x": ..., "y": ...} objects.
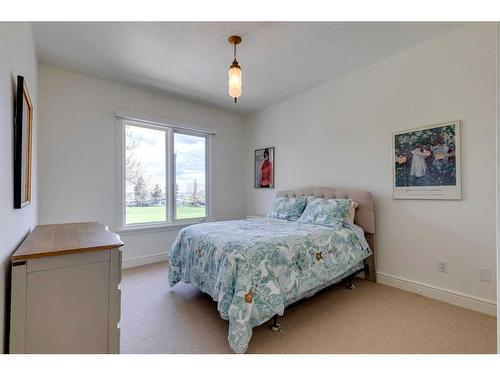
[
  {"x": 78, "y": 153},
  {"x": 17, "y": 57},
  {"x": 498, "y": 185},
  {"x": 339, "y": 134}
]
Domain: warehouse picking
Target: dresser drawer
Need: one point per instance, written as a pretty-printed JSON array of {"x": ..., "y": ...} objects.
[{"x": 47, "y": 263}]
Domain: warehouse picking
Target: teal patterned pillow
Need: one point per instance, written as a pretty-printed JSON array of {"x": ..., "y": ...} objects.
[
  {"x": 287, "y": 208},
  {"x": 327, "y": 212}
]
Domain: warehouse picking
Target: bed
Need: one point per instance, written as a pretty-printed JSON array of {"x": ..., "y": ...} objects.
[{"x": 255, "y": 268}]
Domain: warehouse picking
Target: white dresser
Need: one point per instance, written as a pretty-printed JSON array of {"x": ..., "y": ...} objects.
[{"x": 66, "y": 290}]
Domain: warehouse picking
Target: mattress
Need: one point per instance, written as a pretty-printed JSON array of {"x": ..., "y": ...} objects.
[{"x": 254, "y": 268}]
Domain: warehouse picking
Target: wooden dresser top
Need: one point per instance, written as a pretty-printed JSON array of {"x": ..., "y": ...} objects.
[{"x": 62, "y": 239}]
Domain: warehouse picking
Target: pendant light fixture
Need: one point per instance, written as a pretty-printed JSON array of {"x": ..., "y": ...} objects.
[{"x": 234, "y": 71}]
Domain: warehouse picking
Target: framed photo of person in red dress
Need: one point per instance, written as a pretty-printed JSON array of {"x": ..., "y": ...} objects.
[{"x": 264, "y": 168}]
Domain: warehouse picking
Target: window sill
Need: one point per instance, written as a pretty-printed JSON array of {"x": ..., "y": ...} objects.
[{"x": 160, "y": 227}]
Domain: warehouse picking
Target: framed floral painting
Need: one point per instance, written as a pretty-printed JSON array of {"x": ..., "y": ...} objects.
[{"x": 426, "y": 162}]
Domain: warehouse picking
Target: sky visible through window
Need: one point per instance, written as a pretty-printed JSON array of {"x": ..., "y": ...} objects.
[
  {"x": 145, "y": 169},
  {"x": 190, "y": 173},
  {"x": 146, "y": 190}
]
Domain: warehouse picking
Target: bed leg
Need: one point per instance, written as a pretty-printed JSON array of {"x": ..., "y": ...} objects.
[
  {"x": 276, "y": 326},
  {"x": 350, "y": 284}
]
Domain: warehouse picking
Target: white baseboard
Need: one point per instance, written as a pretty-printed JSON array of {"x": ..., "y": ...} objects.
[
  {"x": 449, "y": 296},
  {"x": 140, "y": 261}
]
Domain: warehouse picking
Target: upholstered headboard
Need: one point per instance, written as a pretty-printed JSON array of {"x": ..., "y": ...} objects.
[{"x": 365, "y": 213}]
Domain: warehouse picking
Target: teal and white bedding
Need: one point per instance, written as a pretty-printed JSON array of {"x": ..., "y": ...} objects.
[{"x": 254, "y": 268}]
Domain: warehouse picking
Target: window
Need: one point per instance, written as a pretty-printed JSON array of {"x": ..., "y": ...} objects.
[
  {"x": 165, "y": 175},
  {"x": 190, "y": 176}
]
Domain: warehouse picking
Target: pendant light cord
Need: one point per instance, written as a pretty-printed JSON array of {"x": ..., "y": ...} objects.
[{"x": 235, "y": 51}]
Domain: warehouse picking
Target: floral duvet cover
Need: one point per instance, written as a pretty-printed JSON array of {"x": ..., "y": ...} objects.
[{"x": 253, "y": 268}]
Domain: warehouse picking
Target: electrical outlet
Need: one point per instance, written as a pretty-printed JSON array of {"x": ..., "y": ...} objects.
[
  {"x": 485, "y": 275},
  {"x": 443, "y": 266}
]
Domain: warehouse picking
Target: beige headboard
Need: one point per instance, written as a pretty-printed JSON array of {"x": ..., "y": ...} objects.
[{"x": 365, "y": 213}]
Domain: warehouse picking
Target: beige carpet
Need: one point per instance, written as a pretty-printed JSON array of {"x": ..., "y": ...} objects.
[{"x": 372, "y": 318}]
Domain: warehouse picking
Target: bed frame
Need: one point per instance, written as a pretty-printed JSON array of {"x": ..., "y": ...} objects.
[{"x": 365, "y": 218}]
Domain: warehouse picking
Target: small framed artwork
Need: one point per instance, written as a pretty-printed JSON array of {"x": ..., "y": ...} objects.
[
  {"x": 264, "y": 168},
  {"x": 426, "y": 162},
  {"x": 23, "y": 128}
]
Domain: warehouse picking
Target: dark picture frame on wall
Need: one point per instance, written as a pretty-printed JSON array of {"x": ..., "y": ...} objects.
[
  {"x": 264, "y": 168},
  {"x": 23, "y": 129}
]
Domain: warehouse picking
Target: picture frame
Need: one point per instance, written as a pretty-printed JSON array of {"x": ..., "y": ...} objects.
[
  {"x": 23, "y": 137},
  {"x": 426, "y": 162},
  {"x": 264, "y": 168}
]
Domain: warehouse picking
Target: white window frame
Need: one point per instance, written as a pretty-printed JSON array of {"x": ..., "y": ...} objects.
[{"x": 171, "y": 221}]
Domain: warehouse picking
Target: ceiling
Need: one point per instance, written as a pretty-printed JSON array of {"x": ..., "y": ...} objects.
[{"x": 190, "y": 60}]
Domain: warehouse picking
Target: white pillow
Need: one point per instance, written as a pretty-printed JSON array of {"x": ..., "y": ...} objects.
[{"x": 352, "y": 212}]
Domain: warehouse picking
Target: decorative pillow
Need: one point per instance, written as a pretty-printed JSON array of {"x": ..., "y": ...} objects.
[
  {"x": 352, "y": 212},
  {"x": 327, "y": 212},
  {"x": 287, "y": 208}
]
